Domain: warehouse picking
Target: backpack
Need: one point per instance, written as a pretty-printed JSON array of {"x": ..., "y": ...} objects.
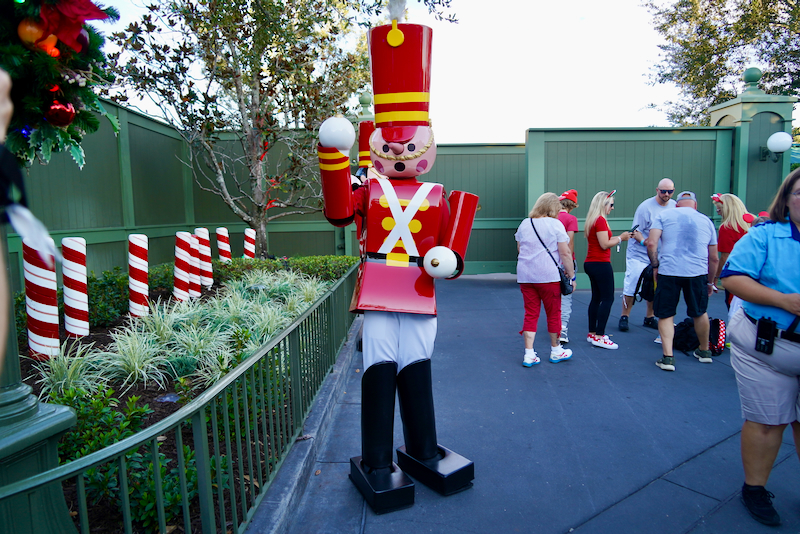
[
  {"x": 685, "y": 339},
  {"x": 716, "y": 337},
  {"x": 645, "y": 287}
]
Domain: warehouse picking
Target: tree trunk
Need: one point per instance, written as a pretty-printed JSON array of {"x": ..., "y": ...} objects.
[{"x": 262, "y": 246}]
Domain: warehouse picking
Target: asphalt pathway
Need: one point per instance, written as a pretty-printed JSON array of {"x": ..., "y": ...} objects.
[{"x": 603, "y": 443}]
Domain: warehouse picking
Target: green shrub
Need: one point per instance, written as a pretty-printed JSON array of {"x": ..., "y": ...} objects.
[
  {"x": 327, "y": 268},
  {"x": 161, "y": 277},
  {"x": 108, "y": 297},
  {"x": 99, "y": 424}
]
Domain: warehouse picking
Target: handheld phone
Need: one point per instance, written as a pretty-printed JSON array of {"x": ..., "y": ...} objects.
[
  {"x": 765, "y": 335},
  {"x": 634, "y": 228}
]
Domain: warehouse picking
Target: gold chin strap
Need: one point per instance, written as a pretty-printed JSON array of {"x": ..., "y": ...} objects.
[{"x": 406, "y": 157}]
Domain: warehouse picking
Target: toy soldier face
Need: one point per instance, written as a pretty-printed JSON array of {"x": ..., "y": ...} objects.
[{"x": 403, "y": 152}]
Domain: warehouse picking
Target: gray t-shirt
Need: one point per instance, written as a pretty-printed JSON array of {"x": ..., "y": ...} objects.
[
  {"x": 644, "y": 216},
  {"x": 685, "y": 237}
]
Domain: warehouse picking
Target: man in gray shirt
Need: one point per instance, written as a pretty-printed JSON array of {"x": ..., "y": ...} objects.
[
  {"x": 636, "y": 258},
  {"x": 687, "y": 261}
]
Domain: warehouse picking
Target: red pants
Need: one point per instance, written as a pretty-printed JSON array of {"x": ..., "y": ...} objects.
[{"x": 533, "y": 295}]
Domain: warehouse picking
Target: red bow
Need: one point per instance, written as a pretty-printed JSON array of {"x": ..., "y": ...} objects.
[{"x": 65, "y": 20}]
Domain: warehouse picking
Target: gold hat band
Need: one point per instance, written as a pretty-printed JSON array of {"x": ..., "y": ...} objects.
[{"x": 401, "y": 98}]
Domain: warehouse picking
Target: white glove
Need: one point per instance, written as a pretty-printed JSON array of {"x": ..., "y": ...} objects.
[
  {"x": 440, "y": 262},
  {"x": 337, "y": 132}
]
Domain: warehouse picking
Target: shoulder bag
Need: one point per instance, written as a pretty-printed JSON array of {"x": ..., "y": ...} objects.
[{"x": 565, "y": 282}]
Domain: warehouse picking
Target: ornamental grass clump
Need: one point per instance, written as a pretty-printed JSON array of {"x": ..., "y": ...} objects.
[
  {"x": 134, "y": 356},
  {"x": 74, "y": 367}
]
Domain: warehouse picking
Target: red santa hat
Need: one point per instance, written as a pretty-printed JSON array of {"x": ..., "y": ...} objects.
[{"x": 569, "y": 195}]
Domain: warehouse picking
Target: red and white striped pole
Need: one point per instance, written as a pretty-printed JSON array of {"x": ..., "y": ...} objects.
[
  {"x": 41, "y": 304},
  {"x": 204, "y": 244},
  {"x": 194, "y": 272},
  {"x": 224, "y": 245},
  {"x": 138, "y": 289},
  {"x": 183, "y": 265},
  {"x": 76, "y": 299},
  {"x": 249, "y": 243}
]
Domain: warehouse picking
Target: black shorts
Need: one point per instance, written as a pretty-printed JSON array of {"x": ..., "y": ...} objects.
[{"x": 668, "y": 293}]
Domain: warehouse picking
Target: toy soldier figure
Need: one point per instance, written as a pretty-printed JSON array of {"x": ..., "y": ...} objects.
[{"x": 412, "y": 233}]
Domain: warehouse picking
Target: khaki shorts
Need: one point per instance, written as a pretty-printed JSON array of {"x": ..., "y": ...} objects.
[{"x": 769, "y": 384}]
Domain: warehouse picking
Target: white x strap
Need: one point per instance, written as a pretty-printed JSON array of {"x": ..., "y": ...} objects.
[{"x": 402, "y": 218}]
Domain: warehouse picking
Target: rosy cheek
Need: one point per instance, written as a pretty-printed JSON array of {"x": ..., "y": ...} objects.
[
  {"x": 422, "y": 165},
  {"x": 378, "y": 166}
]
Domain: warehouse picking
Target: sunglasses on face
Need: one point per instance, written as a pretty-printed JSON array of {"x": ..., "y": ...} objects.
[{"x": 666, "y": 191}]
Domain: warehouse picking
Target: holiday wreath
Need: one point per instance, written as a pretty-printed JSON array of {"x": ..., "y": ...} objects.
[{"x": 56, "y": 64}]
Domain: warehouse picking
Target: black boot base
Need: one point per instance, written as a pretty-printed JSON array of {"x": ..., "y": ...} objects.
[
  {"x": 450, "y": 474},
  {"x": 384, "y": 492}
]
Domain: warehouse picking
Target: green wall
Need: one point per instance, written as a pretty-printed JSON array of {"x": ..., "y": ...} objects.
[{"x": 136, "y": 183}]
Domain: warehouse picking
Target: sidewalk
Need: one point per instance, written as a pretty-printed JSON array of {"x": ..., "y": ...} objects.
[{"x": 606, "y": 442}]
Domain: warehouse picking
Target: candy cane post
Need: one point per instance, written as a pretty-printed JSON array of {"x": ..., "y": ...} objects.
[
  {"x": 194, "y": 272},
  {"x": 204, "y": 244},
  {"x": 249, "y": 243},
  {"x": 138, "y": 289},
  {"x": 224, "y": 245},
  {"x": 183, "y": 265},
  {"x": 76, "y": 299},
  {"x": 41, "y": 304}
]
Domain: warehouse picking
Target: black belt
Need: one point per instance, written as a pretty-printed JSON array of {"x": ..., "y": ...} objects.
[
  {"x": 382, "y": 257},
  {"x": 784, "y": 334}
]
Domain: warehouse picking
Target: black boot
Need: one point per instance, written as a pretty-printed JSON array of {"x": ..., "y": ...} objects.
[
  {"x": 435, "y": 466},
  {"x": 384, "y": 486}
]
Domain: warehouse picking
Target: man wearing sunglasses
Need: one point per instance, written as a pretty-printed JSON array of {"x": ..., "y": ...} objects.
[{"x": 636, "y": 258}]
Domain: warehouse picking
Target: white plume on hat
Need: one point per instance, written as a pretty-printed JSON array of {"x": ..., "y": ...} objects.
[{"x": 397, "y": 9}]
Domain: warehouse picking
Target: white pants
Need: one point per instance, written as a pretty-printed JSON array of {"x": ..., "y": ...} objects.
[{"x": 403, "y": 338}]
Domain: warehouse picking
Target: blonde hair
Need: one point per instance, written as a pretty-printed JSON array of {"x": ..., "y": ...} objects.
[
  {"x": 546, "y": 205},
  {"x": 732, "y": 210},
  {"x": 596, "y": 210}
]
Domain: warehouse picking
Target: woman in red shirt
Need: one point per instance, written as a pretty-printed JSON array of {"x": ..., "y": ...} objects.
[
  {"x": 733, "y": 228},
  {"x": 598, "y": 267}
]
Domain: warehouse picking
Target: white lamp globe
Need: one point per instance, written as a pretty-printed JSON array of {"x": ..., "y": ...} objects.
[
  {"x": 337, "y": 132},
  {"x": 779, "y": 142},
  {"x": 440, "y": 262}
]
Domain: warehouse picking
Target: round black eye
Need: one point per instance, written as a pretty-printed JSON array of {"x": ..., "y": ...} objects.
[
  {"x": 386, "y": 148},
  {"x": 411, "y": 147}
]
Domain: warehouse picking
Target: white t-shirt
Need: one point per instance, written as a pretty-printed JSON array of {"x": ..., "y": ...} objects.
[
  {"x": 644, "y": 215},
  {"x": 685, "y": 237},
  {"x": 534, "y": 263}
]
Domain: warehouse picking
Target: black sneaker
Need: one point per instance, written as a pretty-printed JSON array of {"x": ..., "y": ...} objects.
[
  {"x": 623, "y": 323},
  {"x": 651, "y": 322},
  {"x": 758, "y": 502}
]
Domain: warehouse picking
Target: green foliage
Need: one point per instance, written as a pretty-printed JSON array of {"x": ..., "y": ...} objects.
[
  {"x": 35, "y": 72},
  {"x": 161, "y": 277},
  {"x": 75, "y": 367},
  {"x": 108, "y": 297},
  {"x": 99, "y": 424},
  {"x": 328, "y": 268},
  {"x": 709, "y": 43}
]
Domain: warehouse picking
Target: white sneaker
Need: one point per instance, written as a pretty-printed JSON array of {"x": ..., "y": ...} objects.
[
  {"x": 530, "y": 361},
  {"x": 604, "y": 342},
  {"x": 559, "y": 354},
  {"x": 657, "y": 340},
  {"x": 590, "y": 338},
  {"x": 563, "y": 337}
]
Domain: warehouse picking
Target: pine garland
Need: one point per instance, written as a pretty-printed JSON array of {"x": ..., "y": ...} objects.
[{"x": 42, "y": 82}]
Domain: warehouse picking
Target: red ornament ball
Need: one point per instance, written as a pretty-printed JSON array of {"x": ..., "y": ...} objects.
[{"x": 60, "y": 113}]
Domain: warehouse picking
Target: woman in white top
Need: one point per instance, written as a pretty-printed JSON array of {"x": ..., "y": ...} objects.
[{"x": 538, "y": 275}]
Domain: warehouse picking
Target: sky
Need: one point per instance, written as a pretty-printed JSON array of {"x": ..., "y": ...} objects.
[{"x": 520, "y": 64}]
